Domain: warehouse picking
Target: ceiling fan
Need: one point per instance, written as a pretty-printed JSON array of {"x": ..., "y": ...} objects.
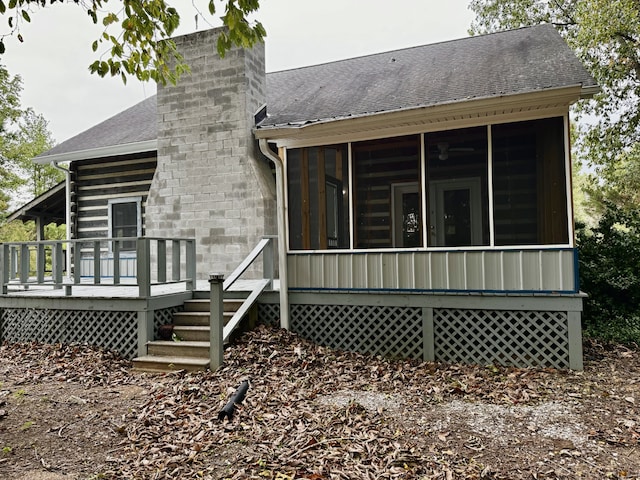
[{"x": 444, "y": 149}]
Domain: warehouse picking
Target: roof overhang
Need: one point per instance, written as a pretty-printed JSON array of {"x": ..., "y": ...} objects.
[
  {"x": 458, "y": 114},
  {"x": 50, "y": 207},
  {"x": 100, "y": 152}
]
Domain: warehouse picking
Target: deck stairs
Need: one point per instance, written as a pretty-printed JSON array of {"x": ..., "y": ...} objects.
[{"x": 190, "y": 348}]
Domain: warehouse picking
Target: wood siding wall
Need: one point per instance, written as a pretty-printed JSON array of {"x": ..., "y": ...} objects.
[
  {"x": 96, "y": 182},
  {"x": 536, "y": 270}
]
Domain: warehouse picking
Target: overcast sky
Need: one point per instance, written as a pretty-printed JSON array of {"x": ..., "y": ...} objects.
[{"x": 54, "y": 58}]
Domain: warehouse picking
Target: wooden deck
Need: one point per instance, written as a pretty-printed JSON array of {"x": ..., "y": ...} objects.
[{"x": 107, "y": 290}]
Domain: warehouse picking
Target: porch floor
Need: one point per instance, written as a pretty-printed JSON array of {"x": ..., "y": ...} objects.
[{"x": 108, "y": 290}]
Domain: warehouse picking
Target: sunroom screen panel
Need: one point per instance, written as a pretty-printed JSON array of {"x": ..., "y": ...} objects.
[
  {"x": 317, "y": 185},
  {"x": 529, "y": 183},
  {"x": 382, "y": 167}
]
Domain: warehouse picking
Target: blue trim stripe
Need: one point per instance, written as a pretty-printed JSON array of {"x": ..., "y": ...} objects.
[{"x": 407, "y": 290}]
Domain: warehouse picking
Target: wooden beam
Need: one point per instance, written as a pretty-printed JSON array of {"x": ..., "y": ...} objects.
[
  {"x": 304, "y": 194},
  {"x": 322, "y": 200}
]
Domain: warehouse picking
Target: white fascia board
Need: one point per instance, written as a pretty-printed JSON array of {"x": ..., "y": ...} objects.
[
  {"x": 419, "y": 118},
  {"x": 109, "y": 151}
]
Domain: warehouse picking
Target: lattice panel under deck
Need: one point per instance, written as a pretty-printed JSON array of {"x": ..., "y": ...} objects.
[
  {"x": 111, "y": 330},
  {"x": 164, "y": 317},
  {"x": 269, "y": 314},
  {"x": 388, "y": 331},
  {"x": 519, "y": 338}
]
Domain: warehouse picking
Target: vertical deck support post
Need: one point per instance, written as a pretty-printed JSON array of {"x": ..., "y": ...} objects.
[
  {"x": 145, "y": 330},
  {"x": 428, "y": 342},
  {"x": 40, "y": 262},
  {"x": 268, "y": 264},
  {"x": 216, "y": 321},
  {"x": 143, "y": 267},
  {"x": 57, "y": 264},
  {"x": 191, "y": 264},
  {"x": 574, "y": 328},
  {"x": 25, "y": 258},
  {"x": 5, "y": 275}
]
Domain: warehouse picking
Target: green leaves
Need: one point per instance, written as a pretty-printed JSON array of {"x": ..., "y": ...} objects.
[
  {"x": 136, "y": 40},
  {"x": 605, "y": 34}
]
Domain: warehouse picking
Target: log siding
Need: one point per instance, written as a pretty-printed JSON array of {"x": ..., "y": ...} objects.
[{"x": 96, "y": 182}]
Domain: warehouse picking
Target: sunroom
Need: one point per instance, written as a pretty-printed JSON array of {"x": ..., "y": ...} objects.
[
  {"x": 426, "y": 200},
  {"x": 476, "y": 209}
]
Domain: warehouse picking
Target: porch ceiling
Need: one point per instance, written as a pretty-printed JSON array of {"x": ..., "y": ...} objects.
[{"x": 48, "y": 207}]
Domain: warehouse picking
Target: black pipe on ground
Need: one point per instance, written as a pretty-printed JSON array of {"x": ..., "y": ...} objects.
[{"x": 236, "y": 398}]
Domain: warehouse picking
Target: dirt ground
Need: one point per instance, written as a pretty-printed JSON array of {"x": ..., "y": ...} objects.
[{"x": 312, "y": 413}]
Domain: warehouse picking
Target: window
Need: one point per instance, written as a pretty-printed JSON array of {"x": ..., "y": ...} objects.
[{"x": 125, "y": 220}]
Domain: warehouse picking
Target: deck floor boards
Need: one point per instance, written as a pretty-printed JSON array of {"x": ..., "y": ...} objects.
[{"x": 107, "y": 290}]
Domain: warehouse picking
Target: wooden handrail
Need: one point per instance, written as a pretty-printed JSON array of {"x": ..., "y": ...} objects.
[
  {"x": 246, "y": 263},
  {"x": 26, "y": 269}
]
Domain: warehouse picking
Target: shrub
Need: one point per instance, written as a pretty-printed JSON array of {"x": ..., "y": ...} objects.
[{"x": 609, "y": 259}]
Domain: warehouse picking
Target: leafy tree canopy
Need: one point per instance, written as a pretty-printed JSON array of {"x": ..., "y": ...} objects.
[
  {"x": 23, "y": 135},
  {"x": 605, "y": 34},
  {"x": 136, "y": 38}
]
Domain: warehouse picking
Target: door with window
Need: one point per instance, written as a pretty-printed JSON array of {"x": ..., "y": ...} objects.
[
  {"x": 455, "y": 212},
  {"x": 407, "y": 220}
]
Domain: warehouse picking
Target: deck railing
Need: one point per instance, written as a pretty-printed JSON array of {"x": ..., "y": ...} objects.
[
  {"x": 218, "y": 331},
  {"x": 99, "y": 261}
]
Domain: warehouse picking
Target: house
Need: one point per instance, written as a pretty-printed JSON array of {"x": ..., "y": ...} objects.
[{"x": 421, "y": 198}]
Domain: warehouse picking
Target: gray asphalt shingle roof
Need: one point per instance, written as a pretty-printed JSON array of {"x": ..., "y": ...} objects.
[
  {"x": 135, "y": 124},
  {"x": 516, "y": 61}
]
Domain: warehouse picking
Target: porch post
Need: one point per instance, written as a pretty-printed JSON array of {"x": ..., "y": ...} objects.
[
  {"x": 428, "y": 343},
  {"x": 143, "y": 267},
  {"x": 4, "y": 268},
  {"x": 574, "y": 330},
  {"x": 268, "y": 264},
  {"x": 145, "y": 330},
  {"x": 216, "y": 321}
]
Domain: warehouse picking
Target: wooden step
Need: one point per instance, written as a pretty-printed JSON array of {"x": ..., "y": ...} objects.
[
  {"x": 196, "y": 318},
  {"x": 203, "y": 305},
  {"x": 152, "y": 363},
  {"x": 195, "y": 333},
  {"x": 178, "y": 349}
]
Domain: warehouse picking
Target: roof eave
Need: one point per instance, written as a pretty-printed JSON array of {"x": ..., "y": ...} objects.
[
  {"x": 100, "y": 152},
  {"x": 283, "y": 134},
  {"x": 23, "y": 211},
  {"x": 589, "y": 91}
]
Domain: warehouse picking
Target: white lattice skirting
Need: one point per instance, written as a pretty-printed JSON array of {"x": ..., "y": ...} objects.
[{"x": 501, "y": 337}]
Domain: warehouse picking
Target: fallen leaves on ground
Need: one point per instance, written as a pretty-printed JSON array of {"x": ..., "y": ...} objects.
[{"x": 315, "y": 413}]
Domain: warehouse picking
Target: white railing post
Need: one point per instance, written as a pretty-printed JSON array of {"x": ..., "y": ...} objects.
[{"x": 216, "y": 321}]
